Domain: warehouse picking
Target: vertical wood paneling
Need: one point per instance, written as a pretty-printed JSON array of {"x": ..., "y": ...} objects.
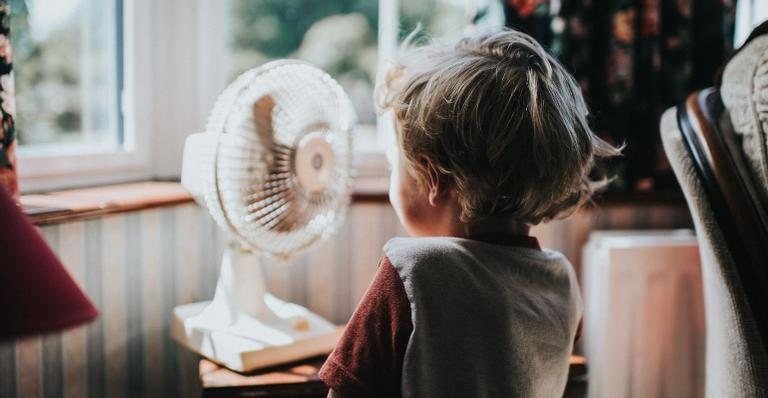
[
  {"x": 569, "y": 236},
  {"x": 137, "y": 266},
  {"x": 152, "y": 305},
  {"x": 168, "y": 265},
  {"x": 134, "y": 344},
  {"x": 187, "y": 261},
  {"x": 187, "y": 287},
  {"x": 96, "y": 366},
  {"x": 114, "y": 304},
  {"x": 297, "y": 273},
  {"x": 366, "y": 243},
  {"x": 29, "y": 380},
  {"x": 318, "y": 283},
  {"x": 74, "y": 353},
  {"x": 51, "y": 344},
  {"x": 211, "y": 249},
  {"x": 341, "y": 271},
  {"x": 7, "y": 369},
  {"x": 277, "y": 274},
  {"x": 53, "y": 376}
]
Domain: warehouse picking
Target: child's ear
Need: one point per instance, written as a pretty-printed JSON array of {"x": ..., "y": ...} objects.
[{"x": 437, "y": 184}]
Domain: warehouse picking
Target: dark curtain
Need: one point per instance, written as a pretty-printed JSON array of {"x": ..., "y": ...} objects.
[
  {"x": 8, "y": 173},
  {"x": 633, "y": 59}
]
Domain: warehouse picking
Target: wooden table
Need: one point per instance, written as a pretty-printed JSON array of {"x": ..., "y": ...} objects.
[{"x": 300, "y": 379}]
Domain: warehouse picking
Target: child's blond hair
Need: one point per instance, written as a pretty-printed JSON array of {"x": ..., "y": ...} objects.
[{"x": 499, "y": 119}]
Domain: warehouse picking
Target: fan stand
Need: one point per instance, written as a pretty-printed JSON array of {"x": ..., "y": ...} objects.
[{"x": 244, "y": 327}]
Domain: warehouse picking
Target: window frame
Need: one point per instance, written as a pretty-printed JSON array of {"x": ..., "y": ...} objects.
[
  {"x": 367, "y": 163},
  {"x": 43, "y": 169},
  {"x": 749, "y": 14},
  {"x": 175, "y": 64}
]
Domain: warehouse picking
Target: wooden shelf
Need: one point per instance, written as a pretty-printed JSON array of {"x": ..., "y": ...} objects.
[{"x": 78, "y": 204}]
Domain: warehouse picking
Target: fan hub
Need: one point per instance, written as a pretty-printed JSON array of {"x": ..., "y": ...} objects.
[{"x": 314, "y": 162}]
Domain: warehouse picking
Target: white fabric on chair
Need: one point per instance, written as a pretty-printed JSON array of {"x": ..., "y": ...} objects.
[{"x": 735, "y": 358}]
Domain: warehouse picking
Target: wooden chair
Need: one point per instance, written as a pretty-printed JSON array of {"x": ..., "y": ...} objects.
[{"x": 723, "y": 179}]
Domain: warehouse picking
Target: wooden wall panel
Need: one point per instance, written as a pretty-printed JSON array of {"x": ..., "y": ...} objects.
[{"x": 137, "y": 266}]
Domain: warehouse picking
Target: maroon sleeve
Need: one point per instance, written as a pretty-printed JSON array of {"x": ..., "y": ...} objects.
[{"x": 368, "y": 359}]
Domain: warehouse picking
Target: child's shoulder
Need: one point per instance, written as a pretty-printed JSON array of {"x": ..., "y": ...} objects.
[
  {"x": 442, "y": 245},
  {"x": 433, "y": 269},
  {"x": 420, "y": 249},
  {"x": 424, "y": 256},
  {"x": 414, "y": 253}
]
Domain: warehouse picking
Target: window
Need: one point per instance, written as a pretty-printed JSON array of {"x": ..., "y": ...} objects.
[
  {"x": 67, "y": 74},
  {"x": 76, "y": 93},
  {"x": 749, "y": 14},
  {"x": 78, "y": 63},
  {"x": 347, "y": 39}
]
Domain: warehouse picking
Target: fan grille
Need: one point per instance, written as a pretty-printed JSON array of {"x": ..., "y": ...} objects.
[{"x": 260, "y": 121}]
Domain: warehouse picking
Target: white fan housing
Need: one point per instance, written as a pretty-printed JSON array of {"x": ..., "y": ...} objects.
[{"x": 274, "y": 170}]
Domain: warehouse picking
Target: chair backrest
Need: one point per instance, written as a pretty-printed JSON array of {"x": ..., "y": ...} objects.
[
  {"x": 729, "y": 224},
  {"x": 719, "y": 156},
  {"x": 732, "y": 193},
  {"x": 736, "y": 356}
]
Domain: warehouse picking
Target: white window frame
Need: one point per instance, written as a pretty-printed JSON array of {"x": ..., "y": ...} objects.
[
  {"x": 46, "y": 169},
  {"x": 176, "y": 61},
  {"x": 749, "y": 14},
  {"x": 174, "y": 67},
  {"x": 198, "y": 85}
]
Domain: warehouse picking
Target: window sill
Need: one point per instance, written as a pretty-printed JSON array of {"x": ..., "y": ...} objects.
[
  {"x": 371, "y": 189},
  {"x": 79, "y": 204}
]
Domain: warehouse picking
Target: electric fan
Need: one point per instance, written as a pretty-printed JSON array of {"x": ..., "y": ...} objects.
[{"x": 273, "y": 168}]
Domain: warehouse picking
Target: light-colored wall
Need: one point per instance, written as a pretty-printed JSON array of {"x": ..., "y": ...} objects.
[{"x": 137, "y": 266}]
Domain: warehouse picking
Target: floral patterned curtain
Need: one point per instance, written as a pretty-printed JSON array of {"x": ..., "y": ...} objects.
[
  {"x": 8, "y": 173},
  {"x": 633, "y": 59}
]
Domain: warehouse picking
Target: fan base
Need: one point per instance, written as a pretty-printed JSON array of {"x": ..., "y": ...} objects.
[{"x": 249, "y": 343}]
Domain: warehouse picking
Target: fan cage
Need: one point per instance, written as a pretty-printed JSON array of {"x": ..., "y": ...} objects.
[{"x": 252, "y": 188}]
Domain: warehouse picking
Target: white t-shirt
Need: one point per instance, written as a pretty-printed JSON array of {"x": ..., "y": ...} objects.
[{"x": 489, "y": 320}]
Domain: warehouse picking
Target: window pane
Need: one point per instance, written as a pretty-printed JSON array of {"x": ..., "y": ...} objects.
[
  {"x": 341, "y": 38},
  {"x": 448, "y": 19},
  {"x": 338, "y": 36},
  {"x": 66, "y": 72}
]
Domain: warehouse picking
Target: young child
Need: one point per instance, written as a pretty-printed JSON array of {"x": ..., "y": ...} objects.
[{"x": 493, "y": 138}]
